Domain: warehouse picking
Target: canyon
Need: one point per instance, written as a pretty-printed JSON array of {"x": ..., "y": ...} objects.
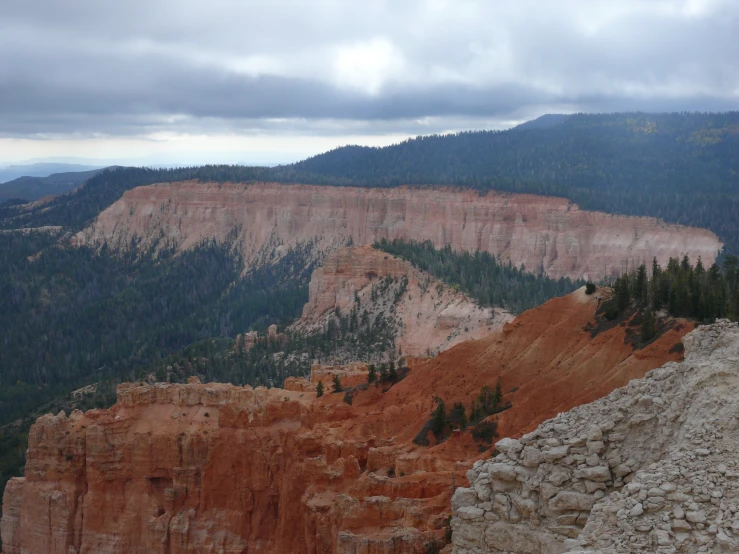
[
  {"x": 185, "y": 468},
  {"x": 266, "y": 219}
]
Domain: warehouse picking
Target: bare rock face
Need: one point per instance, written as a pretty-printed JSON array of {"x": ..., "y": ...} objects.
[
  {"x": 430, "y": 316},
  {"x": 538, "y": 232},
  {"x": 652, "y": 467},
  {"x": 213, "y": 468}
]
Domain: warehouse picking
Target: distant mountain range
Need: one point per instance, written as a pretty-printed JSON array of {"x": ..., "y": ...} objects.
[
  {"x": 41, "y": 169},
  {"x": 39, "y": 180}
]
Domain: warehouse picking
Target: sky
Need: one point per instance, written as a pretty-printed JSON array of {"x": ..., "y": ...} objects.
[{"x": 267, "y": 82}]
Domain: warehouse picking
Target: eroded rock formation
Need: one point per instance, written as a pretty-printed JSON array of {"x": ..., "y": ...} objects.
[
  {"x": 217, "y": 468},
  {"x": 429, "y": 316},
  {"x": 539, "y": 232},
  {"x": 652, "y": 467}
]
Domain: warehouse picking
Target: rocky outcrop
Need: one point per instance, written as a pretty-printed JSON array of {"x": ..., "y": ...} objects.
[
  {"x": 652, "y": 467},
  {"x": 429, "y": 315},
  {"x": 538, "y": 232},
  {"x": 350, "y": 375}
]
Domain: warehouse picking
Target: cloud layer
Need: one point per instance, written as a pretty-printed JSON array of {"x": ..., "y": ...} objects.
[{"x": 137, "y": 68}]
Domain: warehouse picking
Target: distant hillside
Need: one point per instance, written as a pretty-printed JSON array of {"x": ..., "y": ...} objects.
[
  {"x": 10, "y": 172},
  {"x": 33, "y": 188},
  {"x": 683, "y": 168},
  {"x": 544, "y": 122}
]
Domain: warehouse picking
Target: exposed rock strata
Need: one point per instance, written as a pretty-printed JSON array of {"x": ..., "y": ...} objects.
[
  {"x": 652, "y": 467},
  {"x": 539, "y": 232},
  {"x": 430, "y": 316},
  {"x": 216, "y": 468}
]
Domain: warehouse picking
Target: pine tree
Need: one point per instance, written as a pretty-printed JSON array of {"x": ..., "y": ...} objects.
[
  {"x": 319, "y": 389},
  {"x": 458, "y": 415},
  {"x": 392, "y": 373},
  {"x": 371, "y": 374},
  {"x": 641, "y": 290},
  {"x": 337, "y": 384},
  {"x": 621, "y": 290},
  {"x": 383, "y": 372},
  {"x": 438, "y": 417},
  {"x": 648, "y": 326},
  {"x": 497, "y": 395}
]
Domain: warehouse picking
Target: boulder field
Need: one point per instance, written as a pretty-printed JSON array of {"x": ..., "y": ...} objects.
[
  {"x": 267, "y": 218},
  {"x": 207, "y": 468}
]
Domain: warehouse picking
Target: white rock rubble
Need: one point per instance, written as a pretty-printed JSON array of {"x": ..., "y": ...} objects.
[{"x": 652, "y": 467}]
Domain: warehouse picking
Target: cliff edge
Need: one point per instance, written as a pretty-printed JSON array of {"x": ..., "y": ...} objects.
[
  {"x": 267, "y": 218},
  {"x": 652, "y": 467}
]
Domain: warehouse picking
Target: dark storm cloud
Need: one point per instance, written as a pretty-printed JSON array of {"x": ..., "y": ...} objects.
[{"x": 91, "y": 67}]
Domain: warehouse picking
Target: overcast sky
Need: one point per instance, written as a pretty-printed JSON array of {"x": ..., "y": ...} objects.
[{"x": 177, "y": 81}]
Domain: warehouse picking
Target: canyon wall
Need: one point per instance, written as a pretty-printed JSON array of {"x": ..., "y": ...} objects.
[
  {"x": 652, "y": 467},
  {"x": 538, "y": 232},
  {"x": 222, "y": 469},
  {"x": 429, "y": 316}
]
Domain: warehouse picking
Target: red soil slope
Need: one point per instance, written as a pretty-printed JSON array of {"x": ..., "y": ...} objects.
[{"x": 215, "y": 468}]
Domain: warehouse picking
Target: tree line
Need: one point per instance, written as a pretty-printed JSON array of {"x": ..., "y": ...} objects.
[{"x": 682, "y": 289}]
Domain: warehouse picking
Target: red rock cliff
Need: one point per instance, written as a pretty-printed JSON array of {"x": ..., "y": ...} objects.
[
  {"x": 216, "y": 468},
  {"x": 532, "y": 230}
]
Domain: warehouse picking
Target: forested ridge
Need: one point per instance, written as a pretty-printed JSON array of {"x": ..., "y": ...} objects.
[
  {"x": 681, "y": 167},
  {"x": 73, "y": 313}
]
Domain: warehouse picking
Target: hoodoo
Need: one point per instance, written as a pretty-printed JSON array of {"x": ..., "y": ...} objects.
[{"x": 533, "y": 231}]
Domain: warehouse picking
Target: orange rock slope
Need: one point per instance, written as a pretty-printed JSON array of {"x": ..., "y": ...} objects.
[
  {"x": 537, "y": 231},
  {"x": 217, "y": 468}
]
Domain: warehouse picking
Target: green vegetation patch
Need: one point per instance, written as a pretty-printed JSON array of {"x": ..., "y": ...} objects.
[{"x": 481, "y": 275}]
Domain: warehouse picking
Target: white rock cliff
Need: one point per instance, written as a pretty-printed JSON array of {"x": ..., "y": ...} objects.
[{"x": 652, "y": 467}]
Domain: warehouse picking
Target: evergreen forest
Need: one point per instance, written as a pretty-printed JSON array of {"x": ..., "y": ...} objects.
[
  {"x": 481, "y": 275},
  {"x": 681, "y": 289},
  {"x": 681, "y": 167}
]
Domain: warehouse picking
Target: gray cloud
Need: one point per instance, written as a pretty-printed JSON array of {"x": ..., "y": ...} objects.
[{"x": 330, "y": 67}]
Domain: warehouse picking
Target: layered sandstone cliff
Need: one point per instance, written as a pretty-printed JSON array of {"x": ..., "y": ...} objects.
[
  {"x": 536, "y": 231},
  {"x": 652, "y": 467},
  {"x": 217, "y": 468},
  {"x": 429, "y": 316}
]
